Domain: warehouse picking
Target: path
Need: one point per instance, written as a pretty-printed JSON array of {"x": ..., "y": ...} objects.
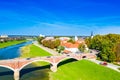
[
  {"x": 109, "y": 65},
  {"x": 51, "y": 51}
]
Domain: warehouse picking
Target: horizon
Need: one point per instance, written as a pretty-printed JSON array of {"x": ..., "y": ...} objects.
[{"x": 51, "y": 17}]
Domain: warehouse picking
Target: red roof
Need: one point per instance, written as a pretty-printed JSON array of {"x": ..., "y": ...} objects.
[
  {"x": 66, "y": 51},
  {"x": 70, "y": 45}
]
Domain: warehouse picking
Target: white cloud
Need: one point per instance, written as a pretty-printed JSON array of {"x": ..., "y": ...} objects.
[{"x": 108, "y": 29}]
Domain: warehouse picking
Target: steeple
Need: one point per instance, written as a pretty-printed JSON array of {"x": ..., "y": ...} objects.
[
  {"x": 76, "y": 38},
  {"x": 91, "y": 34}
]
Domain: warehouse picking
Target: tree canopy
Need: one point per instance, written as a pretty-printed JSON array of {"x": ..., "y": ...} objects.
[{"x": 108, "y": 45}]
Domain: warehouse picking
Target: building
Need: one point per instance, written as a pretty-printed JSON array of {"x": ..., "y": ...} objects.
[
  {"x": 41, "y": 35},
  {"x": 49, "y": 38},
  {"x": 76, "y": 38},
  {"x": 4, "y": 36},
  {"x": 64, "y": 38},
  {"x": 71, "y": 47},
  {"x": 91, "y": 35}
]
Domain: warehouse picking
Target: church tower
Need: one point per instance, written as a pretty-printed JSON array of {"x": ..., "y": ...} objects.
[
  {"x": 76, "y": 38},
  {"x": 91, "y": 34}
]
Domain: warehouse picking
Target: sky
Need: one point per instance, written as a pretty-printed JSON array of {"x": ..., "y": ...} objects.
[{"x": 59, "y": 17}]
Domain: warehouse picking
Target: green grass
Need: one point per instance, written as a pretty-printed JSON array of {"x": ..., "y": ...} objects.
[
  {"x": 84, "y": 70},
  {"x": 33, "y": 51},
  {"x": 9, "y": 43},
  {"x": 73, "y": 70}
]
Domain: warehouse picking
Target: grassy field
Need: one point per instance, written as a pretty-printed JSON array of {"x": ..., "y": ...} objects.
[
  {"x": 83, "y": 70},
  {"x": 73, "y": 70},
  {"x": 9, "y": 43},
  {"x": 33, "y": 51}
]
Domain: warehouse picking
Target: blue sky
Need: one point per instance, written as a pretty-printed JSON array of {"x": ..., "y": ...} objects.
[{"x": 59, "y": 17}]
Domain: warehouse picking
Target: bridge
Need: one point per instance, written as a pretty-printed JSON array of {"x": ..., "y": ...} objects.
[{"x": 18, "y": 63}]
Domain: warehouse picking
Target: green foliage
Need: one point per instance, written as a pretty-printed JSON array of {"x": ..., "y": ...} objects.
[
  {"x": 119, "y": 68},
  {"x": 117, "y": 51},
  {"x": 9, "y": 43},
  {"x": 81, "y": 47},
  {"x": 40, "y": 39},
  {"x": 60, "y": 48},
  {"x": 107, "y": 44},
  {"x": 57, "y": 43},
  {"x": 71, "y": 41},
  {"x": 51, "y": 43}
]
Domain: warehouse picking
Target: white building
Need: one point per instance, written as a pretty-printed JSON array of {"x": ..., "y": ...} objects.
[
  {"x": 41, "y": 35},
  {"x": 4, "y": 36},
  {"x": 76, "y": 38}
]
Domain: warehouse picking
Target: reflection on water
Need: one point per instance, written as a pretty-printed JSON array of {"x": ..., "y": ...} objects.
[
  {"x": 30, "y": 72},
  {"x": 12, "y": 51}
]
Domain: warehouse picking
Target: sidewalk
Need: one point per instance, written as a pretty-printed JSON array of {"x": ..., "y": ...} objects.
[
  {"x": 51, "y": 51},
  {"x": 109, "y": 65}
]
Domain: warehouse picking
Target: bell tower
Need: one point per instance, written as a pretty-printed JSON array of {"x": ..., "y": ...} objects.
[{"x": 91, "y": 34}]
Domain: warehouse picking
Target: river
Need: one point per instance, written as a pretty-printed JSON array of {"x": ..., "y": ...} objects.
[{"x": 30, "y": 72}]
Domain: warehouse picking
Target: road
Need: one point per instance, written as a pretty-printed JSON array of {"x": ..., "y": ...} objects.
[
  {"x": 51, "y": 51},
  {"x": 109, "y": 65}
]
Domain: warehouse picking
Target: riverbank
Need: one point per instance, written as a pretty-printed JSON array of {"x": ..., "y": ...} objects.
[
  {"x": 10, "y": 43},
  {"x": 71, "y": 69},
  {"x": 40, "y": 69},
  {"x": 33, "y": 51}
]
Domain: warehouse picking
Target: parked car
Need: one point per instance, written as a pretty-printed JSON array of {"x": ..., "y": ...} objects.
[{"x": 104, "y": 63}]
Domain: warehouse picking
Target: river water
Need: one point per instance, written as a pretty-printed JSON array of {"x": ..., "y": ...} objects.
[{"x": 30, "y": 72}]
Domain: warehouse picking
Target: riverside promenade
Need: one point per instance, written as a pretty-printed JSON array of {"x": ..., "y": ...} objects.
[{"x": 109, "y": 65}]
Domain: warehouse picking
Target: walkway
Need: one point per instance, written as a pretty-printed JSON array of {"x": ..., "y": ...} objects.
[
  {"x": 109, "y": 65},
  {"x": 51, "y": 51}
]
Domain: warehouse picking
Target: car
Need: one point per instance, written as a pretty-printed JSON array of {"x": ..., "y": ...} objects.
[{"x": 104, "y": 63}]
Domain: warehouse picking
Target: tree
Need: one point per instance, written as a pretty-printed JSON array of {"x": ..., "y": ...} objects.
[
  {"x": 40, "y": 39},
  {"x": 60, "y": 48},
  {"x": 117, "y": 51},
  {"x": 81, "y": 47},
  {"x": 51, "y": 43},
  {"x": 107, "y": 44},
  {"x": 57, "y": 43},
  {"x": 71, "y": 41}
]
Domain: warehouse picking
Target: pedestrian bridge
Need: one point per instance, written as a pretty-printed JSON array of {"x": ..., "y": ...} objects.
[{"x": 19, "y": 63}]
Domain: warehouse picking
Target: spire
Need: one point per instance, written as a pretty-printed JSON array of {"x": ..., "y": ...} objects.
[
  {"x": 91, "y": 34},
  {"x": 76, "y": 38}
]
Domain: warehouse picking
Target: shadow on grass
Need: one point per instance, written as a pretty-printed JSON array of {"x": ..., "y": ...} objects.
[
  {"x": 66, "y": 61},
  {"x": 27, "y": 70}
]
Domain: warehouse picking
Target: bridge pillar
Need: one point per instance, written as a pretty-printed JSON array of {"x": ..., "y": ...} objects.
[
  {"x": 16, "y": 74},
  {"x": 53, "y": 67}
]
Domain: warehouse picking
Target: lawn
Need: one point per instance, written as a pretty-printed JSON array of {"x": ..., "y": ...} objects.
[
  {"x": 83, "y": 70},
  {"x": 33, "y": 51},
  {"x": 9, "y": 43},
  {"x": 71, "y": 69}
]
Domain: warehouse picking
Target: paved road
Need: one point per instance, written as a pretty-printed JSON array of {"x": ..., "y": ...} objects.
[
  {"x": 109, "y": 65},
  {"x": 46, "y": 49},
  {"x": 112, "y": 66}
]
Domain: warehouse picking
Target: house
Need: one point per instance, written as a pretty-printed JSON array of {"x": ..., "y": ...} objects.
[
  {"x": 71, "y": 47},
  {"x": 64, "y": 38},
  {"x": 4, "y": 36},
  {"x": 41, "y": 35}
]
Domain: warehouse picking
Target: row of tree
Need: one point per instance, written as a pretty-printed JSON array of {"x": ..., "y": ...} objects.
[
  {"x": 108, "y": 45},
  {"x": 51, "y": 43},
  {"x": 2, "y": 40}
]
